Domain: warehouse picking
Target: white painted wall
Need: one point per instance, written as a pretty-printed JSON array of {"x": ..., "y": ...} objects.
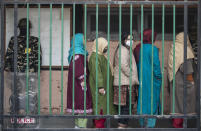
[{"x": 45, "y": 31}]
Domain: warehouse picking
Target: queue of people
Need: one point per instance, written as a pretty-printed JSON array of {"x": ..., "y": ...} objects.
[
  {"x": 132, "y": 78},
  {"x": 121, "y": 86}
]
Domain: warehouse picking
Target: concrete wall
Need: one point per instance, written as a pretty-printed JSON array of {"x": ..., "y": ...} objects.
[{"x": 56, "y": 83}]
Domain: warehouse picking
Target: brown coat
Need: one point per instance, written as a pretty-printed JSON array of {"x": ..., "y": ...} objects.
[{"x": 125, "y": 68}]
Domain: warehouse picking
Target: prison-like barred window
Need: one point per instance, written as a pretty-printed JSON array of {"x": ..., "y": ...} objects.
[{"x": 101, "y": 64}]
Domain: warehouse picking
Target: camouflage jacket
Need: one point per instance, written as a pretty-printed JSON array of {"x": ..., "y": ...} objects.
[{"x": 22, "y": 54}]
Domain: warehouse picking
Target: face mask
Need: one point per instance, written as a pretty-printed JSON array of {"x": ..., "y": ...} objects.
[{"x": 128, "y": 43}]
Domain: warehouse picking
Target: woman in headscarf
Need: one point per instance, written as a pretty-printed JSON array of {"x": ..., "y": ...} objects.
[
  {"x": 102, "y": 81},
  {"x": 125, "y": 78},
  {"x": 179, "y": 78},
  {"x": 78, "y": 82},
  {"x": 146, "y": 78}
]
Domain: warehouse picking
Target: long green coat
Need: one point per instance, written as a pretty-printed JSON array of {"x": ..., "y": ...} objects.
[{"x": 102, "y": 82}]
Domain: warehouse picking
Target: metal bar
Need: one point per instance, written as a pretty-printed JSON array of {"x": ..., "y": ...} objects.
[
  {"x": 131, "y": 54},
  {"x": 62, "y": 45},
  {"x": 108, "y": 61},
  {"x": 174, "y": 37},
  {"x": 119, "y": 107},
  {"x": 145, "y": 123},
  {"x": 108, "y": 66},
  {"x": 85, "y": 56},
  {"x": 103, "y": 2},
  {"x": 27, "y": 62},
  {"x": 39, "y": 60},
  {"x": 73, "y": 100},
  {"x": 104, "y": 129},
  {"x": 106, "y": 116},
  {"x": 50, "y": 64},
  {"x": 185, "y": 60},
  {"x": 15, "y": 62},
  {"x": 163, "y": 31},
  {"x": 96, "y": 59},
  {"x": 173, "y": 93},
  {"x": 2, "y": 64},
  {"x": 141, "y": 57},
  {"x": 108, "y": 123},
  {"x": 152, "y": 61},
  {"x": 199, "y": 65}
]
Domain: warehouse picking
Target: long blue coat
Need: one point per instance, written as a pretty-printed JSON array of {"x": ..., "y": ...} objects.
[{"x": 146, "y": 80}]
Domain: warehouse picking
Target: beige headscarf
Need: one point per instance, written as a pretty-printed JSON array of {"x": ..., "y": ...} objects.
[
  {"x": 179, "y": 54},
  {"x": 102, "y": 44}
]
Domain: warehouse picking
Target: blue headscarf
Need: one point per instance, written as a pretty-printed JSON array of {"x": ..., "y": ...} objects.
[{"x": 79, "y": 46}]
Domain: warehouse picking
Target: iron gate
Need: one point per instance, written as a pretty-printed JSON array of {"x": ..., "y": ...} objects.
[{"x": 38, "y": 3}]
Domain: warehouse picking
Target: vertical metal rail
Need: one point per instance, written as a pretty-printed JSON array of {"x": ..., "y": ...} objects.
[
  {"x": 141, "y": 57},
  {"x": 15, "y": 63},
  {"x": 152, "y": 61},
  {"x": 2, "y": 65},
  {"x": 73, "y": 100},
  {"x": 50, "y": 63},
  {"x": 85, "y": 55},
  {"x": 108, "y": 60},
  {"x": 120, "y": 59},
  {"x": 185, "y": 49},
  {"x": 173, "y": 92},
  {"x": 131, "y": 54},
  {"x": 27, "y": 62},
  {"x": 185, "y": 60},
  {"x": 96, "y": 59},
  {"x": 62, "y": 50},
  {"x": 39, "y": 60},
  {"x": 199, "y": 65},
  {"x": 163, "y": 31},
  {"x": 108, "y": 66}
]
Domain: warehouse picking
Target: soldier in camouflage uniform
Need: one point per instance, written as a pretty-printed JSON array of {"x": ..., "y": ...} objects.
[
  {"x": 21, "y": 69},
  {"x": 22, "y": 50}
]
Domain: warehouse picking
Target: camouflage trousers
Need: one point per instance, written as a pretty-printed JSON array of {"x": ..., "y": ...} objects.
[
  {"x": 22, "y": 93},
  {"x": 23, "y": 96}
]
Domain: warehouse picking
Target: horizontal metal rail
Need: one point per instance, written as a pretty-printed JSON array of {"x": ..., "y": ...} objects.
[
  {"x": 107, "y": 116},
  {"x": 97, "y": 3},
  {"x": 104, "y": 129},
  {"x": 101, "y": 2}
]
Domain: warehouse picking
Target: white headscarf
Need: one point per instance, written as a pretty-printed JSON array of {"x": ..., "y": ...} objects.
[{"x": 179, "y": 54}]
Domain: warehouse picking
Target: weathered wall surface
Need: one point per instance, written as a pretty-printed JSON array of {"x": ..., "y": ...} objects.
[
  {"x": 44, "y": 91},
  {"x": 56, "y": 83}
]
